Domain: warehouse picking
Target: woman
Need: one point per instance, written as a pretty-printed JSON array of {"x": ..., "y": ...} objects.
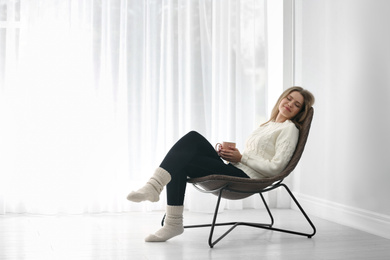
[{"x": 268, "y": 151}]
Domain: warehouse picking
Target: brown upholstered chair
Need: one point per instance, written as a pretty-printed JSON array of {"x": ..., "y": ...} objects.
[{"x": 235, "y": 188}]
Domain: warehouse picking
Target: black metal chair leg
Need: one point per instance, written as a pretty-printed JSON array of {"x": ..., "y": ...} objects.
[
  {"x": 233, "y": 224},
  {"x": 302, "y": 211},
  {"x": 214, "y": 224},
  {"x": 268, "y": 210},
  {"x": 211, "y": 243},
  {"x": 257, "y": 225},
  {"x": 309, "y": 235}
]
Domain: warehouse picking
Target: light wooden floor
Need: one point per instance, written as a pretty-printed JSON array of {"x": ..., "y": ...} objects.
[{"x": 120, "y": 236}]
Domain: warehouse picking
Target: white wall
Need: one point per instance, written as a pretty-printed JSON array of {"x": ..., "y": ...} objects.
[{"x": 343, "y": 56}]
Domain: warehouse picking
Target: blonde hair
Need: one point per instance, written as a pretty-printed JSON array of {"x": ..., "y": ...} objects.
[{"x": 308, "y": 102}]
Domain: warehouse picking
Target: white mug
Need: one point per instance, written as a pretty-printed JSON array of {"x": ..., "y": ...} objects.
[{"x": 225, "y": 145}]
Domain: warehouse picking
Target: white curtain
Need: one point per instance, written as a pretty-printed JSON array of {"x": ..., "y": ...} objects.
[{"x": 94, "y": 92}]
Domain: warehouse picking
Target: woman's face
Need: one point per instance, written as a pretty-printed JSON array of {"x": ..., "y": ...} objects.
[{"x": 290, "y": 106}]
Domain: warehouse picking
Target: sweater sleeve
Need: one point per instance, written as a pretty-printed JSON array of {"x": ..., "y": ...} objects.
[{"x": 285, "y": 146}]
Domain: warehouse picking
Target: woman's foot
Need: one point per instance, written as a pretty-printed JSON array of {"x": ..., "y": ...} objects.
[
  {"x": 152, "y": 189},
  {"x": 173, "y": 225}
]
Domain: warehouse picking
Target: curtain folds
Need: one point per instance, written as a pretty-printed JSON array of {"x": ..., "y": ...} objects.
[{"x": 94, "y": 92}]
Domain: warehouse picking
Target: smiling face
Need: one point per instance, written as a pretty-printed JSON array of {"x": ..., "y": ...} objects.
[{"x": 290, "y": 106}]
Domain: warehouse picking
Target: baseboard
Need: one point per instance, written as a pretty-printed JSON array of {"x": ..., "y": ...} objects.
[{"x": 368, "y": 221}]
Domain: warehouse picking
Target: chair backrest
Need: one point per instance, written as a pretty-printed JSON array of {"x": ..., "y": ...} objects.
[{"x": 303, "y": 135}]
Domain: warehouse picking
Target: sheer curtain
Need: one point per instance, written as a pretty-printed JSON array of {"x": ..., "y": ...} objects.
[{"x": 93, "y": 94}]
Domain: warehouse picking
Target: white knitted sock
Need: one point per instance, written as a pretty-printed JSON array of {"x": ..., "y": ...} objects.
[
  {"x": 173, "y": 225},
  {"x": 152, "y": 189}
]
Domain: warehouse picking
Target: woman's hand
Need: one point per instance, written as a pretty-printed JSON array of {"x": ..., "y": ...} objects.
[{"x": 230, "y": 154}]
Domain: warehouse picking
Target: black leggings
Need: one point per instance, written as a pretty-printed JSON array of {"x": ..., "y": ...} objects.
[{"x": 193, "y": 156}]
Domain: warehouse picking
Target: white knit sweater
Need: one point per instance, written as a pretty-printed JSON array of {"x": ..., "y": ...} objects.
[{"x": 269, "y": 149}]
